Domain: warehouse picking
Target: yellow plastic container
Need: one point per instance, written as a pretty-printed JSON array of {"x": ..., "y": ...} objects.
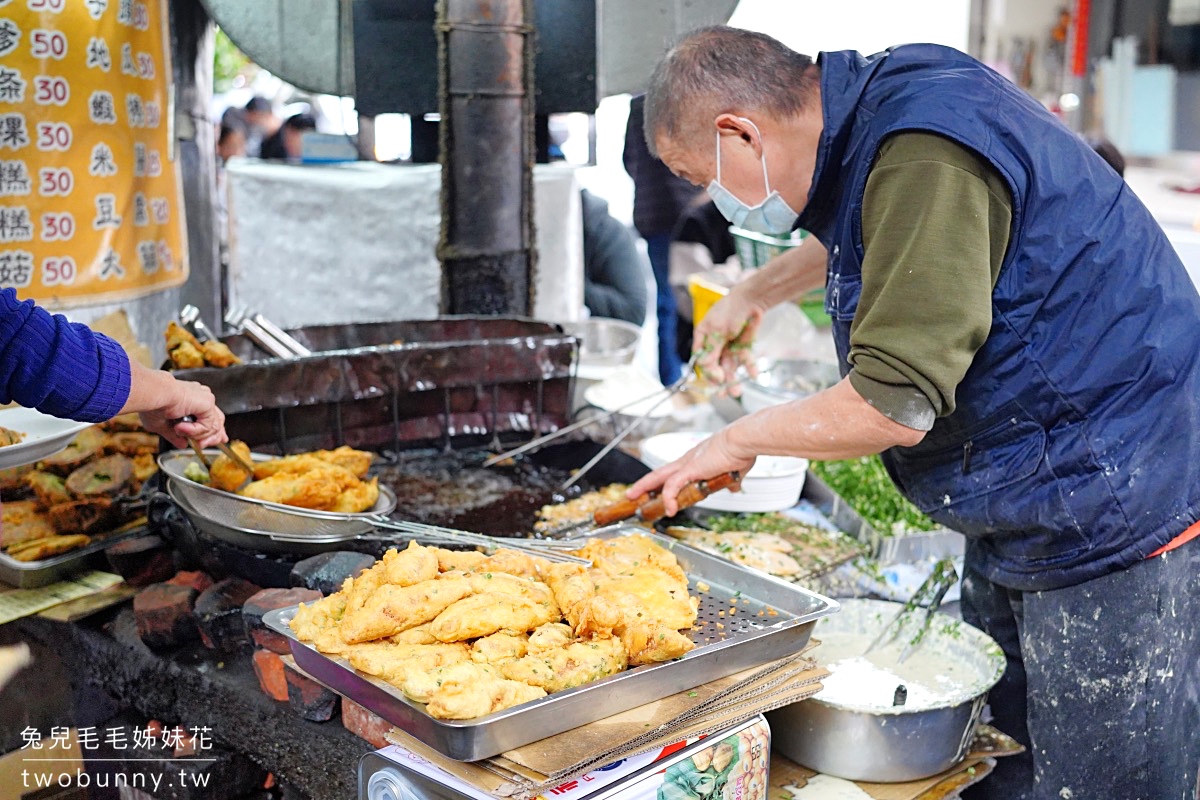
[{"x": 705, "y": 288}]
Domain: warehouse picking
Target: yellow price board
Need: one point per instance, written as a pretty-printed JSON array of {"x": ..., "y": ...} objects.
[{"x": 91, "y": 204}]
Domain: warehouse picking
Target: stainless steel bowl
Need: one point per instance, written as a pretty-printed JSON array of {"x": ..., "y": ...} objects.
[
  {"x": 605, "y": 342},
  {"x": 786, "y": 380},
  {"x": 891, "y": 744}
]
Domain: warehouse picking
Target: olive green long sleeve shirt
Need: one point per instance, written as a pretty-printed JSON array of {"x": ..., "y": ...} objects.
[{"x": 935, "y": 220}]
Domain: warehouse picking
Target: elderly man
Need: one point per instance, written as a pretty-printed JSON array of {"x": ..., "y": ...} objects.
[{"x": 1018, "y": 340}]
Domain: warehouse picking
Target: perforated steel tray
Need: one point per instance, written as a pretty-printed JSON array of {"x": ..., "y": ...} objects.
[{"x": 774, "y": 619}]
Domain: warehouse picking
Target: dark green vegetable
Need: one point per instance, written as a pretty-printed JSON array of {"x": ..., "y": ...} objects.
[{"x": 865, "y": 485}]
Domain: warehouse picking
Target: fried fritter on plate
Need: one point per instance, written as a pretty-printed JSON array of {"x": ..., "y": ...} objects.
[
  {"x": 421, "y": 685},
  {"x": 88, "y": 515},
  {"x": 12, "y": 480},
  {"x": 499, "y": 647},
  {"x": 393, "y": 662},
  {"x": 48, "y": 488},
  {"x": 411, "y": 565},
  {"x": 131, "y": 443},
  {"x": 478, "y": 697},
  {"x": 491, "y": 612},
  {"x": 87, "y": 445},
  {"x": 566, "y": 667},
  {"x": 23, "y": 521},
  {"x": 40, "y": 549},
  {"x": 392, "y": 609},
  {"x": 103, "y": 477}
]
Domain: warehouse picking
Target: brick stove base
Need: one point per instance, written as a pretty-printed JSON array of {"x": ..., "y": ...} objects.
[{"x": 192, "y": 686}]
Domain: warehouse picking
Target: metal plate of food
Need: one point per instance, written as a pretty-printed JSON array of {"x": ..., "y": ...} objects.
[
  {"x": 31, "y": 574},
  {"x": 38, "y": 435},
  {"x": 745, "y": 619}
]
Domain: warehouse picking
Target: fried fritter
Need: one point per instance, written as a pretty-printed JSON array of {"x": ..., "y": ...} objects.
[
  {"x": 123, "y": 423},
  {"x": 464, "y": 560},
  {"x": 144, "y": 468},
  {"x": 394, "y": 662},
  {"x": 421, "y": 685},
  {"x": 535, "y": 590},
  {"x": 590, "y": 616},
  {"x": 39, "y": 549},
  {"x": 309, "y": 490},
  {"x": 411, "y": 565},
  {"x": 418, "y": 635},
  {"x": 296, "y": 464},
  {"x": 187, "y": 356},
  {"x": 492, "y": 612},
  {"x": 131, "y": 443},
  {"x": 648, "y": 643},
  {"x": 8, "y": 436},
  {"x": 514, "y": 562},
  {"x": 13, "y": 479},
  {"x": 224, "y": 473},
  {"x": 218, "y": 354},
  {"x": 566, "y": 667},
  {"x": 103, "y": 477},
  {"x": 23, "y": 521},
  {"x": 549, "y": 636},
  {"x": 312, "y": 618},
  {"x": 357, "y": 461},
  {"x": 358, "y": 498},
  {"x": 392, "y": 609},
  {"x": 499, "y": 647},
  {"x": 88, "y": 444},
  {"x": 468, "y": 699},
  {"x": 48, "y": 488},
  {"x": 89, "y": 515}
]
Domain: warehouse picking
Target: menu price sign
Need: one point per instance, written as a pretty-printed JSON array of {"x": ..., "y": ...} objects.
[{"x": 91, "y": 204}]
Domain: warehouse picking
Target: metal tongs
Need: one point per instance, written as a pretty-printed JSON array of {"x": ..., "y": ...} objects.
[
  {"x": 927, "y": 598},
  {"x": 664, "y": 394},
  {"x": 266, "y": 334}
]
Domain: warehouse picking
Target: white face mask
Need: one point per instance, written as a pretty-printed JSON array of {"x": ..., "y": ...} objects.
[{"x": 772, "y": 216}]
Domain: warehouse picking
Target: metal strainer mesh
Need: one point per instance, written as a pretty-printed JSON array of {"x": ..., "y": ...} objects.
[{"x": 246, "y": 515}]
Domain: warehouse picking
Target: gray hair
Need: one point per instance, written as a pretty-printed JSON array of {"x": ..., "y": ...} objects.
[{"x": 718, "y": 70}]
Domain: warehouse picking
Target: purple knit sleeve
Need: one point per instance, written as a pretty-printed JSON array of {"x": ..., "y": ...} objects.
[{"x": 59, "y": 367}]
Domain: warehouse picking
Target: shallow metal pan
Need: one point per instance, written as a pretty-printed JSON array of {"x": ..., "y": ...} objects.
[
  {"x": 31, "y": 574},
  {"x": 774, "y": 620}
]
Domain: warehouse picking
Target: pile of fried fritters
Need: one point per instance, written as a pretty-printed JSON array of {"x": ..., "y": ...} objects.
[
  {"x": 187, "y": 352},
  {"x": 469, "y": 634},
  {"x": 323, "y": 480},
  {"x": 75, "y": 495}
]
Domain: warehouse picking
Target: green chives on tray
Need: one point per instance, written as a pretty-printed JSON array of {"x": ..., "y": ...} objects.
[{"x": 865, "y": 485}]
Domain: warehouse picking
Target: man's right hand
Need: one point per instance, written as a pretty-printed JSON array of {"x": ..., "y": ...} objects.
[{"x": 723, "y": 339}]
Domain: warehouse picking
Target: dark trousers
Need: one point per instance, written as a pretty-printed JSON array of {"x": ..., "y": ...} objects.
[
  {"x": 669, "y": 364},
  {"x": 1102, "y": 684}
]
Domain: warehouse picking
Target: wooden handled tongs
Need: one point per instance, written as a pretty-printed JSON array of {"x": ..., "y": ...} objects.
[{"x": 650, "y": 508}]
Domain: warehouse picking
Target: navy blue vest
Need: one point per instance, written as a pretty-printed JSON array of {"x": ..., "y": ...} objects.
[{"x": 1074, "y": 449}]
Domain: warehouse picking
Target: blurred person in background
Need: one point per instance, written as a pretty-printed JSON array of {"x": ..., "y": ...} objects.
[
  {"x": 261, "y": 124},
  {"x": 615, "y": 273},
  {"x": 286, "y": 143},
  {"x": 659, "y": 197}
]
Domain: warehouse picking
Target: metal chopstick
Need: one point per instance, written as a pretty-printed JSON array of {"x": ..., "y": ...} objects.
[
  {"x": 571, "y": 481},
  {"x": 280, "y": 335},
  {"x": 574, "y": 426}
]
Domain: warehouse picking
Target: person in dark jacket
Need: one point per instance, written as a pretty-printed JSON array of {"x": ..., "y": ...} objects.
[
  {"x": 67, "y": 370},
  {"x": 285, "y": 143},
  {"x": 1020, "y": 343},
  {"x": 659, "y": 198},
  {"x": 614, "y": 271}
]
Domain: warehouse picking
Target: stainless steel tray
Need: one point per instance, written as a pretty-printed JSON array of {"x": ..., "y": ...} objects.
[
  {"x": 725, "y": 644},
  {"x": 31, "y": 574}
]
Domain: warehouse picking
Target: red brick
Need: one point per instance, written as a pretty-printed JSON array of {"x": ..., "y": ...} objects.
[
  {"x": 195, "y": 579},
  {"x": 365, "y": 724},
  {"x": 164, "y": 614},
  {"x": 141, "y": 561},
  {"x": 309, "y": 699},
  {"x": 270, "y": 670},
  {"x": 219, "y": 614},
  {"x": 269, "y": 600}
]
